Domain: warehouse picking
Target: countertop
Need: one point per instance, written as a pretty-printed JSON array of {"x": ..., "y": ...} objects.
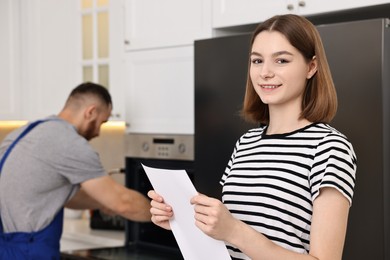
[
  {"x": 78, "y": 235},
  {"x": 79, "y": 241}
]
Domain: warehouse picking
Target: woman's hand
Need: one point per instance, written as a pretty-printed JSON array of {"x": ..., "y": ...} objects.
[
  {"x": 213, "y": 218},
  {"x": 161, "y": 212}
]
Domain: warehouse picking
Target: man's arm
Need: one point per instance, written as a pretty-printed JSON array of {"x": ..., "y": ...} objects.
[
  {"x": 81, "y": 200},
  {"x": 104, "y": 192}
]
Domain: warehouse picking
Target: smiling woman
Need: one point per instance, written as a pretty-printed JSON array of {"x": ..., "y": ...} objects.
[{"x": 289, "y": 182}]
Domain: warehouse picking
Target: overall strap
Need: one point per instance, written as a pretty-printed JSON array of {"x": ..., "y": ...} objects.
[
  {"x": 25, "y": 131},
  {"x": 9, "y": 149}
]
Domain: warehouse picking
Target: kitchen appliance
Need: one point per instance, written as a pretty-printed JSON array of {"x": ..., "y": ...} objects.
[
  {"x": 359, "y": 56},
  {"x": 147, "y": 241},
  {"x": 158, "y": 151}
]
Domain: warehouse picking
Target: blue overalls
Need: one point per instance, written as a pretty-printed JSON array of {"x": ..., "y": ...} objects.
[{"x": 44, "y": 244}]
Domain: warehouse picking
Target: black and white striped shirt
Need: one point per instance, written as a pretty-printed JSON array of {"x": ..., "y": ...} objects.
[{"x": 271, "y": 181}]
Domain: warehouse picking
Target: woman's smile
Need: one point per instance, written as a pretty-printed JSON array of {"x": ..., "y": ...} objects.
[{"x": 270, "y": 86}]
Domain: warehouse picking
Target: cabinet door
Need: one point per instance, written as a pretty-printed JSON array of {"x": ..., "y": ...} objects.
[
  {"x": 310, "y": 7},
  {"x": 237, "y": 12},
  {"x": 116, "y": 60},
  {"x": 155, "y": 23},
  {"x": 160, "y": 91},
  {"x": 10, "y": 105},
  {"x": 51, "y": 52},
  {"x": 227, "y": 13}
]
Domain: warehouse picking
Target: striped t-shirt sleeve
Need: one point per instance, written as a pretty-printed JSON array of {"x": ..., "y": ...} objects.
[{"x": 334, "y": 166}]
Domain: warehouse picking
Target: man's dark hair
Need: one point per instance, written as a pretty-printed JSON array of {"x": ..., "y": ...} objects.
[{"x": 94, "y": 89}]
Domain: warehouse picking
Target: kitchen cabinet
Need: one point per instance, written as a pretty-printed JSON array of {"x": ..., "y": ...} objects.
[
  {"x": 50, "y": 55},
  {"x": 103, "y": 49},
  {"x": 159, "y": 38},
  {"x": 40, "y": 57},
  {"x": 312, "y": 7},
  {"x": 160, "y": 90},
  {"x": 116, "y": 59},
  {"x": 156, "y": 24},
  {"x": 227, "y": 13},
  {"x": 10, "y": 103}
]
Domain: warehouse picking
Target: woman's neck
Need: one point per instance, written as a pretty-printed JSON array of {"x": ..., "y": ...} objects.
[
  {"x": 285, "y": 121},
  {"x": 284, "y": 127}
]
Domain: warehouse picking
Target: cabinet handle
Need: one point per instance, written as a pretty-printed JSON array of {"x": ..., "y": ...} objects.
[
  {"x": 290, "y": 7},
  {"x": 302, "y": 3}
]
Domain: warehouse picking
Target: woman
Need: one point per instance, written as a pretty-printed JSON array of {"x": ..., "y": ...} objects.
[{"x": 289, "y": 184}]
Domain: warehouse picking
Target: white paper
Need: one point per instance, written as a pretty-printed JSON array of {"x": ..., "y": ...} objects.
[{"x": 177, "y": 190}]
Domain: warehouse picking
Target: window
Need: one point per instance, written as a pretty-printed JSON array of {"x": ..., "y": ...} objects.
[{"x": 95, "y": 37}]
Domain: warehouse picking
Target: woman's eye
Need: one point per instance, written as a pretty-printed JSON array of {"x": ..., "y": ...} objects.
[
  {"x": 281, "y": 61},
  {"x": 256, "y": 61}
]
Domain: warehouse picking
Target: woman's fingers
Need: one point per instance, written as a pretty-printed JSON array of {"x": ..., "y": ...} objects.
[{"x": 154, "y": 196}]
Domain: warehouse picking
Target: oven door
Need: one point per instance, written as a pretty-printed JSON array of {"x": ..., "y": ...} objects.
[{"x": 148, "y": 234}]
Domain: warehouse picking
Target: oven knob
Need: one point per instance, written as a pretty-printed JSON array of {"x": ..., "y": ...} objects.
[
  {"x": 145, "y": 146},
  {"x": 182, "y": 148}
]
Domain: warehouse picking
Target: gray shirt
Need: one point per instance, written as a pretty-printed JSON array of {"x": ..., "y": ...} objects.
[{"x": 43, "y": 171}]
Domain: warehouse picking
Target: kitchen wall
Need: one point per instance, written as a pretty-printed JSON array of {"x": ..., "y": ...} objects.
[
  {"x": 109, "y": 145},
  {"x": 7, "y": 126}
]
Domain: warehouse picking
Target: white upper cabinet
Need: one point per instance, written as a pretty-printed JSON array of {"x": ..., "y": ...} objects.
[
  {"x": 237, "y": 12},
  {"x": 39, "y": 57},
  {"x": 43, "y": 54},
  {"x": 160, "y": 91},
  {"x": 116, "y": 59},
  {"x": 228, "y": 13},
  {"x": 10, "y": 103},
  {"x": 156, "y": 23},
  {"x": 159, "y": 72},
  {"x": 312, "y": 7},
  {"x": 50, "y": 52},
  {"x": 102, "y": 24}
]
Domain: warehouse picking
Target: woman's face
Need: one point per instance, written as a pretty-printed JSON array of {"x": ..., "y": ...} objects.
[{"x": 279, "y": 71}]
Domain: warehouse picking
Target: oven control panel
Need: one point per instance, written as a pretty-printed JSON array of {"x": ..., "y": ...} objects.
[{"x": 176, "y": 147}]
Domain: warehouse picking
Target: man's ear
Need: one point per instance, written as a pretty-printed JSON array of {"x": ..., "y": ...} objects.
[
  {"x": 312, "y": 68},
  {"x": 90, "y": 112}
]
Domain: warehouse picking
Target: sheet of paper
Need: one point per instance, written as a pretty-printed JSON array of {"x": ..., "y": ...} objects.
[{"x": 177, "y": 190}]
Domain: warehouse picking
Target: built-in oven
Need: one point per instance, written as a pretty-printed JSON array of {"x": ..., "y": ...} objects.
[
  {"x": 159, "y": 151},
  {"x": 146, "y": 241}
]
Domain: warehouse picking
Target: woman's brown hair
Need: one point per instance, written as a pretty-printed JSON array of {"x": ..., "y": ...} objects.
[{"x": 319, "y": 102}]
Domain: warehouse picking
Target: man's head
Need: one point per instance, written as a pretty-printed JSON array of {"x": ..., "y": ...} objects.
[{"x": 87, "y": 107}]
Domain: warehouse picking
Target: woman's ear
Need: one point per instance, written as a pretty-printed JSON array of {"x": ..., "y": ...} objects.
[{"x": 312, "y": 68}]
